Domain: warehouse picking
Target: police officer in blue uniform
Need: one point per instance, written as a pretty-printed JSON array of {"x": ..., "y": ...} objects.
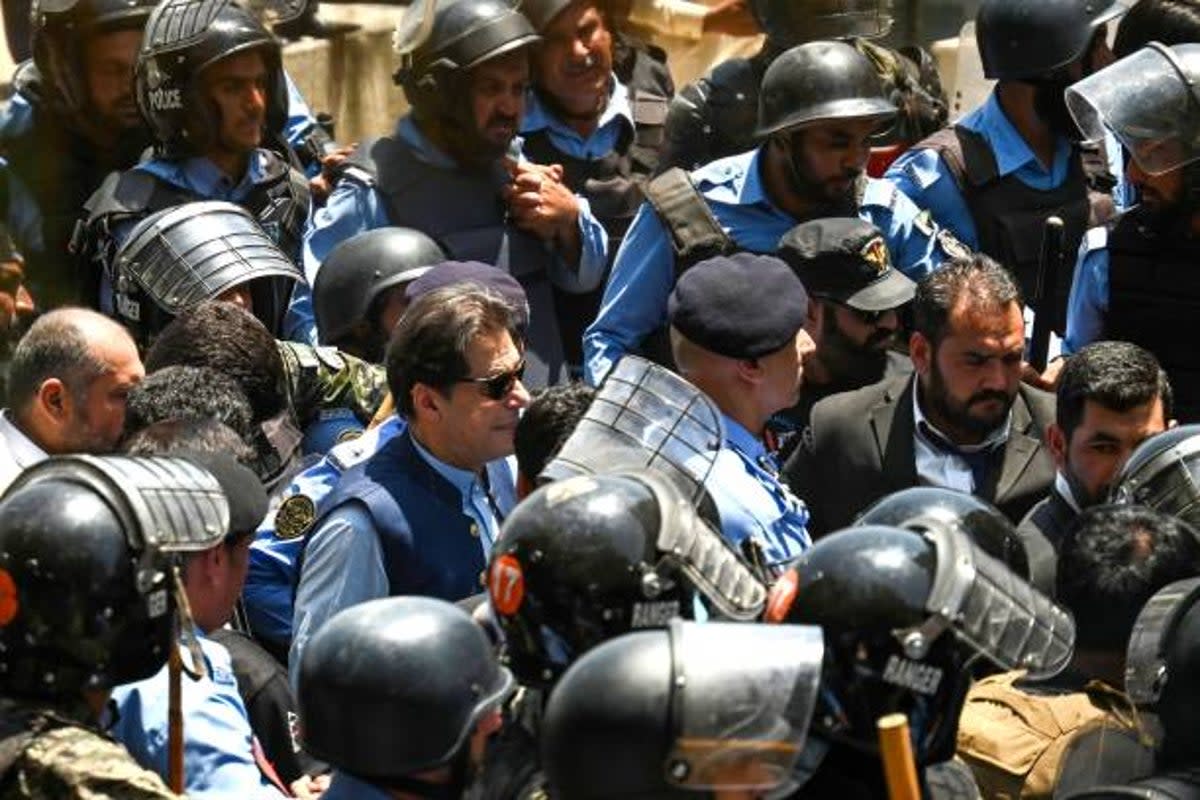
[
  {"x": 996, "y": 175},
  {"x": 737, "y": 333},
  {"x": 821, "y": 102},
  {"x": 453, "y": 170},
  {"x": 210, "y": 84}
]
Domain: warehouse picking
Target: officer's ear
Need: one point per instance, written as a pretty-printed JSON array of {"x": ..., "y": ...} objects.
[
  {"x": 428, "y": 402},
  {"x": 750, "y": 370},
  {"x": 921, "y": 351},
  {"x": 1056, "y": 441},
  {"x": 54, "y": 399}
]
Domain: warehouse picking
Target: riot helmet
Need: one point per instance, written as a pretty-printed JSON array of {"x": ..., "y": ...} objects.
[
  {"x": 397, "y": 686},
  {"x": 588, "y": 558},
  {"x": 788, "y": 23},
  {"x": 666, "y": 713},
  {"x": 919, "y": 508},
  {"x": 182, "y": 256},
  {"x": 61, "y": 32},
  {"x": 182, "y": 39},
  {"x": 1150, "y": 101},
  {"x": 359, "y": 271},
  {"x": 86, "y": 581},
  {"x": 905, "y": 614},
  {"x": 820, "y": 81},
  {"x": 1026, "y": 39},
  {"x": 1162, "y": 473},
  {"x": 440, "y": 41}
]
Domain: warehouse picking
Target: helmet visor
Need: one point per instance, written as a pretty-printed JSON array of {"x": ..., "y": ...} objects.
[
  {"x": 1148, "y": 102},
  {"x": 741, "y": 722},
  {"x": 1145, "y": 659}
]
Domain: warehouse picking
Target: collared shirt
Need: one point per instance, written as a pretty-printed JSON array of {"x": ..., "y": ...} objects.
[
  {"x": 17, "y": 451},
  {"x": 923, "y": 175},
  {"x": 635, "y": 299},
  {"x": 938, "y": 465},
  {"x": 1088, "y": 303},
  {"x": 353, "y": 208},
  {"x": 1063, "y": 487},
  {"x": 616, "y": 118},
  {"x": 218, "y": 742},
  {"x": 752, "y": 502}
]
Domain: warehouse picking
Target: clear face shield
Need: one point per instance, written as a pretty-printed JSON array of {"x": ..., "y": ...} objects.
[
  {"x": 1146, "y": 673},
  {"x": 1150, "y": 101},
  {"x": 742, "y": 700},
  {"x": 1168, "y": 481}
]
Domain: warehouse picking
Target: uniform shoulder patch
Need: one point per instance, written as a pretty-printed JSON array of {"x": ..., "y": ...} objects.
[
  {"x": 951, "y": 246},
  {"x": 295, "y": 517}
]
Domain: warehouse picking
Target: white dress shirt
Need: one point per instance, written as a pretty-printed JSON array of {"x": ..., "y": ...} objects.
[{"x": 17, "y": 451}]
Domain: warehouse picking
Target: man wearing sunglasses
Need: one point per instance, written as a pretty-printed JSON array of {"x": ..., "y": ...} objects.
[
  {"x": 420, "y": 515},
  {"x": 855, "y": 296}
]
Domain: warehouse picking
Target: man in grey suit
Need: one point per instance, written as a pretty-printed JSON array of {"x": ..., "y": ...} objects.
[{"x": 962, "y": 421}]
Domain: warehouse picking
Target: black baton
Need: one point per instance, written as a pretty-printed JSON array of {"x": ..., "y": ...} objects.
[{"x": 1045, "y": 295}]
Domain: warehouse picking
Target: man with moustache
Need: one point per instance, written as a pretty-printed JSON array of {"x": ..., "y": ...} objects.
[
  {"x": 1136, "y": 279},
  {"x": 453, "y": 170},
  {"x": 821, "y": 103},
  {"x": 963, "y": 421},
  {"x": 996, "y": 175},
  {"x": 855, "y": 296}
]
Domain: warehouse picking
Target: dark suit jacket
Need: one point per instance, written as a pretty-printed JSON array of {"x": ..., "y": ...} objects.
[
  {"x": 862, "y": 449},
  {"x": 1048, "y": 523}
]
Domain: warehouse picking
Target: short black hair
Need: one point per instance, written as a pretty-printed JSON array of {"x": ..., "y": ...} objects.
[
  {"x": 430, "y": 342},
  {"x": 1116, "y": 375},
  {"x": 199, "y": 434},
  {"x": 1112, "y": 561},
  {"x": 232, "y": 342},
  {"x": 182, "y": 392},
  {"x": 551, "y": 417},
  {"x": 53, "y": 347},
  {"x": 978, "y": 277},
  {"x": 1167, "y": 21}
]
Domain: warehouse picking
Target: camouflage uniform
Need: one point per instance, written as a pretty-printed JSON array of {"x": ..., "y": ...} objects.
[
  {"x": 52, "y": 754},
  {"x": 321, "y": 378}
]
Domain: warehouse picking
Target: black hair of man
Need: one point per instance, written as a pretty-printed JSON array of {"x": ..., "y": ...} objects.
[
  {"x": 1112, "y": 561},
  {"x": 1119, "y": 376},
  {"x": 976, "y": 279},
  {"x": 167, "y": 437},
  {"x": 1167, "y": 21},
  {"x": 431, "y": 342},
  {"x": 551, "y": 417},
  {"x": 53, "y": 347},
  {"x": 183, "y": 392},
  {"x": 232, "y": 342}
]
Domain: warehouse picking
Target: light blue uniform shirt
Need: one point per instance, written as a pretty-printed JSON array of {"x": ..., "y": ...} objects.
[
  {"x": 1088, "y": 303},
  {"x": 218, "y": 756},
  {"x": 635, "y": 299},
  {"x": 752, "y": 501},
  {"x": 924, "y": 177},
  {"x": 614, "y": 120},
  {"x": 343, "y": 561}
]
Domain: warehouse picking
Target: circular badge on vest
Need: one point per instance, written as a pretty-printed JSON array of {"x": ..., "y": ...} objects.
[
  {"x": 294, "y": 517},
  {"x": 783, "y": 594},
  {"x": 506, "y": 585},
  {"x": 9, "y": 601}
]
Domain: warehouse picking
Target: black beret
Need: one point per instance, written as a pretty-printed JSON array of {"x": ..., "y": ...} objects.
[
  {"x": 489, "y": 277},
  {"x": 739, "y": 306}
]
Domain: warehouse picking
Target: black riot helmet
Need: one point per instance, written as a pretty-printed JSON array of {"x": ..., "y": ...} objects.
[
  {"x": 86, "y": 595},
  {"x": 182, "y": 256},
  {"x": 396, "y": 686},
  {"x": 1163, "y": 473},
  {"x": 439, "y": 41},
  {"x": 61, "y": 31},
  {"x": 917, "y": 508},
  {"x": 359, "y": 270},
  {"x": 667, "y": 713},
  {"x": 820, "y": 81},
  {"x": 182, "y": 39},
  {"x": 905, "y": 614},
  {"x": 1025, "y": 39},
  {"x": 788, "y": 23},
  {"x": 588, "y": 558}
]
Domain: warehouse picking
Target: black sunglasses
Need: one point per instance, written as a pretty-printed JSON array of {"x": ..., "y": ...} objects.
[
  {"x": 867, "y": 317},
  {"x": 498, "y": 386}
]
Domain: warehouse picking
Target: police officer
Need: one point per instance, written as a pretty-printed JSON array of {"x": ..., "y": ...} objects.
[
  {"x": 359, "y": 293},
  {"x": 448, "y": 170},
  {"x": 1133, "y": 280},
  {"x": 714, "y": 117},
  {"x": 603, "y": 131},
  {"x": 995, "y": 176},
  {"x": 820, "y": 104},
  {"x": 688, "y": 712},
  {"x": 737, "y": 334},
  {"x": 400, "y": 695},
  {"x": 79, "y": 534},
  {"x": 210, "y": 84}
]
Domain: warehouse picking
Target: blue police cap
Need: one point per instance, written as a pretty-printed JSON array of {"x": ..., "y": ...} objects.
[{"x": 740, "y": 306}]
